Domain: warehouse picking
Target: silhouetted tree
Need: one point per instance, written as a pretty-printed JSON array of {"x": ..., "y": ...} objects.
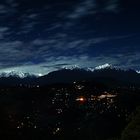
[{"x": 132, "y": 131}]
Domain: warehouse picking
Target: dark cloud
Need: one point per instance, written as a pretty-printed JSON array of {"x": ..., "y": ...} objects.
[
  {"x": 84, "y": 8},
  {"x": 44, "y": 36},
  {"x": 87, "y": 7}
]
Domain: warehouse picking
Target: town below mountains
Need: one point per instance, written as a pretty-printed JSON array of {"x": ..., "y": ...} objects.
[{"x": 100, "y": 104}]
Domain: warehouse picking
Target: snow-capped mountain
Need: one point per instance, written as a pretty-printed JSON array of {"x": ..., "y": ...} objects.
[
  {"x": 103, "y": 66},
  {"x": 16, "y": 74},
  {"x": 20, "y": 74},
  {"x": 90, "y": 69},
  {"x": 104, "y": 73},
  {"x": 138, "y": 71},
  {"x": 71, "y": 67}
]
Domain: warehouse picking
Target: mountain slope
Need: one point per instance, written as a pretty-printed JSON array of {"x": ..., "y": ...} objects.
[{"x": 107, "y": 74}]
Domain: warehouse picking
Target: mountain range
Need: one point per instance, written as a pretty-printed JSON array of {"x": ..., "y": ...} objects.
[{"x": 107, "y": 75}]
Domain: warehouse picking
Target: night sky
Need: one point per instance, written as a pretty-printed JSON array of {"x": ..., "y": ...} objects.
[{"x": 39, "y": 36}]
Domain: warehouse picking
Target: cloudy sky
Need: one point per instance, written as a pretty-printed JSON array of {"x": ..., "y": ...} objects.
[{"x": 39, "y": 36}]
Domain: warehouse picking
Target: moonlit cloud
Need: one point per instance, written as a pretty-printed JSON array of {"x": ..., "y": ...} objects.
[
  {"x": 112, "y": 6},
  {"x": 3, "y": 31},
  {"x": 87, "y": 7},
  {"x": 43, "y": 36},
  {"x": 82, "y": 9}
]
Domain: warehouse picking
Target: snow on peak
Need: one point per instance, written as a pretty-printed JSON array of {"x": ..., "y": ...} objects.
[
  {"x": 138, "y": 71},
  {"x": 39, "y": 74},
  {"x": 71, "y": 67},
  {"x": 103, "y": 66},
  {"x": 15, "y": 74},
  {"x": 90, "y": 69}
]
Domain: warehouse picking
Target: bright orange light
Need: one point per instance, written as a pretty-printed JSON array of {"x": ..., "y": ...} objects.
[{"x": 81, "y": 99}]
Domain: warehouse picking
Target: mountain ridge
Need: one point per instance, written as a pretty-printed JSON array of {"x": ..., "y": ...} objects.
[
  {"x": 20, "y": 74},
  {"x": 106, "y": 75}
]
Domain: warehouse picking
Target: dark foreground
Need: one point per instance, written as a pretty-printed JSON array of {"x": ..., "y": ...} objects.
[{"x": 67, "y": 111}]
